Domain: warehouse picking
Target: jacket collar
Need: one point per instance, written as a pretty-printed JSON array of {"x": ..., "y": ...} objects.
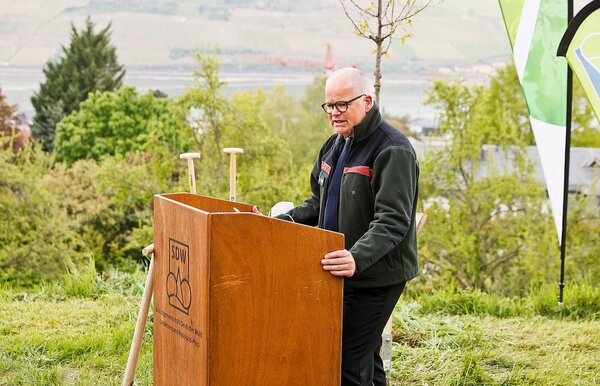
[{"x": 368, "y": 124}]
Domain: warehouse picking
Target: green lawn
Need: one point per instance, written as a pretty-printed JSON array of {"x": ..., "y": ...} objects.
[
  {"x": 78, "y": 335},
  {"x": 69, "y": 342},
  {"x": 471, "y": 350}
]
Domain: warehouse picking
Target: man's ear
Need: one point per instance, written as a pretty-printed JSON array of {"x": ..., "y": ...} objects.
[{"x": 368, "y": 103}]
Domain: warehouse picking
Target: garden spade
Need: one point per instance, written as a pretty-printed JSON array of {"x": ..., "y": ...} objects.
[
  {"x": 140, "y": 325},
  {"x": 232, "y": 151}
]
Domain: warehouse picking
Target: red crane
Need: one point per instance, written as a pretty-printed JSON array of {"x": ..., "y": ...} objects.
[{"x": 328, "y": 66}]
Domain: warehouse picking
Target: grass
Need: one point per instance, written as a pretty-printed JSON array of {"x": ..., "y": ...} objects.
[
  {"x": 72, "y": 342},
  {"x": 74, "y": 333},
  {"x": 439, "y": 349},
  {"x": 581, "y": 301},
  {"x": 79, "y": 332}
]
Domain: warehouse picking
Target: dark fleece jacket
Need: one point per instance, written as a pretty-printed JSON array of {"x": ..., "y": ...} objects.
[{"x": 378, "y": 199}]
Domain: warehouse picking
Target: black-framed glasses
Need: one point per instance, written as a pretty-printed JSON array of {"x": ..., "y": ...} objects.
[{"x": 341, "y": 106}]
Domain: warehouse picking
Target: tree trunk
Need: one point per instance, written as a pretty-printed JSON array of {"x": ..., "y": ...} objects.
[{"x": 379, "y": 43}]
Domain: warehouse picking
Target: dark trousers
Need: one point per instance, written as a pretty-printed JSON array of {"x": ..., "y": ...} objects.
[{"x": 366, "y": 311}]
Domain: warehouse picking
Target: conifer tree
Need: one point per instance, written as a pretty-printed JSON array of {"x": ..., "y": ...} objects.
[{"x": 88, "y": 64}]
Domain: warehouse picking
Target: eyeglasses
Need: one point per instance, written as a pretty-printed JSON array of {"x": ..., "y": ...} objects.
[{"x": 341, "y": 106}]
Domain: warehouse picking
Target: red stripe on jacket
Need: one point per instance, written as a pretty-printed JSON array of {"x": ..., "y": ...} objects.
[
  {"x": 364, "y": 170},
  {"x": 325, "y": 167}
]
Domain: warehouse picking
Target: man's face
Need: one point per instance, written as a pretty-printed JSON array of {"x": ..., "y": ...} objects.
[{"x": 339, "y": 89}]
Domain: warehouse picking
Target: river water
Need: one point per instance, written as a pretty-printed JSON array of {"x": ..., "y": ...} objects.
[{"x": 400, "y": 95}]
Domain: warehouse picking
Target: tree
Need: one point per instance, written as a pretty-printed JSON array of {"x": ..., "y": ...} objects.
[
  {"x": 35, "y": 240},
  {"x": 379, "y": 21},
  {"x": 302, "y": 124},
  {"x": 116, "y": 123},
  {"x": 88, "y": 64},
  {"x": 7, "y": 116},
  {"x": 9, "y": 124},
  {"x": 505, "y": 110},
  {"x": 206, "y": 107},
  {"x": 217, "y": 121},
  {"x": 267, "y": 171},
  {"x": 109, "y": 203},
  {"x": 489, "y": 226}
]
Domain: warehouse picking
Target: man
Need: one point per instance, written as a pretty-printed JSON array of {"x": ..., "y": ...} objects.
[{"x": 364, "y": 185}]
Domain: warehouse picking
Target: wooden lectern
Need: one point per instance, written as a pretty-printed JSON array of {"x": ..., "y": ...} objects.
[{"x": 241, "y": 299}]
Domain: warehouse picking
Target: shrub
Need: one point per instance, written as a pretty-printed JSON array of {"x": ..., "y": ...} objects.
[{"x": 35, "y": 239}]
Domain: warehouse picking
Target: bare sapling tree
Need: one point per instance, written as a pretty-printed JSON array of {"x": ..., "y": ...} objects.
[{"x": 379, "y": 21}]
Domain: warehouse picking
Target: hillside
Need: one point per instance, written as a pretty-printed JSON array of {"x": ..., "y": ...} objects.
[{"x": 249, "y": 34}]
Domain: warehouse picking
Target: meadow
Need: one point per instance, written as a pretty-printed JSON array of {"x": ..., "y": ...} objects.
[{"x": 78, "y": 332}]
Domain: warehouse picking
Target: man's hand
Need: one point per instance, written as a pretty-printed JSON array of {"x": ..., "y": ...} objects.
[{"x": 339, "y": 263}]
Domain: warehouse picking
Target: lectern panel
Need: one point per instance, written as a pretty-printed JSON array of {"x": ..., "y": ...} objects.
[
  {"x": 275, "y": 314},
  {"x": 180, "y": 294}
]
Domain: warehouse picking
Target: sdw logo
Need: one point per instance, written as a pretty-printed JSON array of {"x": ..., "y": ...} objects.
[{"x": 178, "y": 278}]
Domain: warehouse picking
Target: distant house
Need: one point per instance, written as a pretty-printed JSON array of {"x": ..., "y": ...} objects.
[
  {"x": 584, "y": 170},
  {"x": 423, "y": 126}
]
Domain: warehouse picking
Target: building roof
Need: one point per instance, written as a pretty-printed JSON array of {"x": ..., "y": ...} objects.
[{"x": 584, "y": 165}]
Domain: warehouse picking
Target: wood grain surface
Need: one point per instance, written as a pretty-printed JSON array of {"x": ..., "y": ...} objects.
[
  {"x": 261, "y": 310},
  {"x": 180, "y": 354},
  {"x": 275, "y": 314}
]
